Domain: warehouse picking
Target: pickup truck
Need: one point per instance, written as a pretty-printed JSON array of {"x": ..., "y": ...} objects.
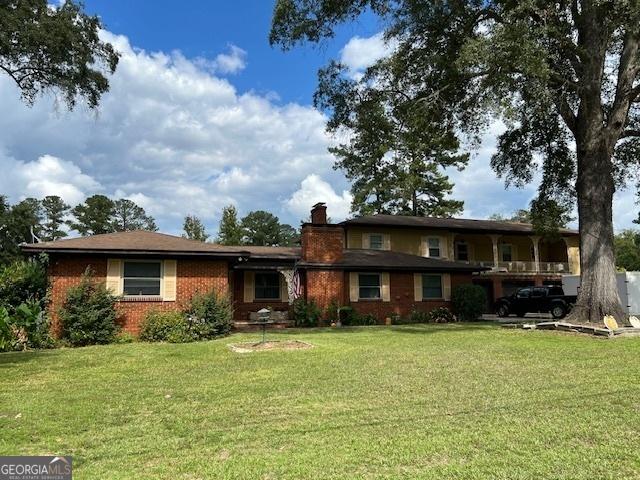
[{"x": 550, "y": 298}]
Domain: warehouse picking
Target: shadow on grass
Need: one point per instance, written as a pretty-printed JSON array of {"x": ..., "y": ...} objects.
[
  {"x": 415, "y": 328},
  {"x": 12, "y": 359}
]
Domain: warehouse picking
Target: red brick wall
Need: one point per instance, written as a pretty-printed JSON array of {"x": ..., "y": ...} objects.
[
  {"x": 192, "y": 276},
  {"x": 241, "y": 309},
  {"x": 402, "y": 297},
  {"x": 323, "y": 244},
  {"x": 325, "y": 286}
]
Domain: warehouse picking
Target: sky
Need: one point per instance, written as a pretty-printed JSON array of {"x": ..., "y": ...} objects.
[{"x": 202, "y": 112}]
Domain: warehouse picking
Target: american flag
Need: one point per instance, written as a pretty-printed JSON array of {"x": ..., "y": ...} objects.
[{"x": 296, "y": 285}]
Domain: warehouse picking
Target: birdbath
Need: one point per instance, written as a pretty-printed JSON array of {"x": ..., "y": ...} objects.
[{"x": 263, "y": 319}]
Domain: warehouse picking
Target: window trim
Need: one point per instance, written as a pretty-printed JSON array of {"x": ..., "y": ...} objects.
[
  {"x": 131, "y": 297},
  {"x": 256, "y": 298},
  {"x": 427, "y": 252},
  {"x": 370, "y": 299},
  {"x": 439, "y": 275}
]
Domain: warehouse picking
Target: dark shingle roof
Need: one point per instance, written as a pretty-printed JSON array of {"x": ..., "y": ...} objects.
[
  {"x": 456, "y": 224},
  {"x": 150, "y": 243},
  {"x": 362, "y": 259}
]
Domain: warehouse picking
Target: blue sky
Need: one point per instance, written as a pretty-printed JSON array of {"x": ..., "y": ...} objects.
[{"x": 203, "y": 113}]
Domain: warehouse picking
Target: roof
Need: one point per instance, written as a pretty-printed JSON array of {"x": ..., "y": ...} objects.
[
  {"x": 456, "y": 224},
  {"x": 362, "y": 259}
]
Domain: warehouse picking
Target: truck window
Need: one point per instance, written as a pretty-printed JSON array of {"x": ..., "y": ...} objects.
[
  {"x": 556, "y": 291},
  {"x": 538, "y": 292},
  {"x": 524, "y": 293}
]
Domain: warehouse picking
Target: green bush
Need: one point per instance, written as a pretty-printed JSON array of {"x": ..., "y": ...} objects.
[
  {"x": 169, "y": 326},
  {"x": 7, "y": 336},
  {"x": 306, "y": 314},
  {"x": 88, "y": 314},
  {"x": 21, "y": 281},
  {"x": 349, "y": 317},
  {"x": 468, "y": 302},
  {"x": 27, "y": 327},
  {"x": 440, "y": 315},
  {"x": 209, "y": 315},
  {"x": 366, "y": 319}
]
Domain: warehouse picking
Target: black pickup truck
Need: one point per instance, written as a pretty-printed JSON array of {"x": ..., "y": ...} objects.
[{"x": 545, "y": 299}]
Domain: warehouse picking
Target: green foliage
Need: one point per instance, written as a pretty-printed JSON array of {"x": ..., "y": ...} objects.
[
  {"x": 440, "y": 315},
  {"x": 93, "y": 217},
  {"x": 168, "y": 326},
  {"x": 54, "y": 210},
  {"x": 264, "y": 228},
  {"x": 209, "y": 315},
  {"x": 627, "y": 248},
  {"x": 194, "y": 229},
  {"x": 23, "y": 280},
  {"x": 18, "y": 224},
  {"x": 230, "y": 231},
  {"x": 127, "y": 216},
  {"x": 7, "y": 338},
  {"x": 306, "y": 314},
  {"x": 363, "y": 320},
  {"x": 88, "y": 315},
  {"x": 54, "y": 49},
  {"x": 27, "y": 327},
  {"x": 468, "y": 302},
  {"x": 123, "y": 337},
  {"x": 350, "y": 318}
]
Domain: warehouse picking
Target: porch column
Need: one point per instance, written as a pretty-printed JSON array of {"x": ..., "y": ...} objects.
[
  {"x": 573, "y": 253},
  {"x": 496, "y": 254},
  {"x": 535, "y": 239}
]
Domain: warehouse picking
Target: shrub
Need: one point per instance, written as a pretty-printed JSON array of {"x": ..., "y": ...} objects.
[
  {"x": 306, "y": 314},
  {"x": 31, "y": 324},
  {"x": 209, "y": 315},
  {"x": 468, "y": 302},
  {"x": 165, "y": 327},
  {"x": 21, "y": 281},
  {"x": 366, "y": 319},
  {"x": 7, "y": 336},
  {"x": 332, "y": 311},
  {"x": 88, "y": 314},
  {"x": 440, "y": 315},
  {"x": 347, "y": 315}
]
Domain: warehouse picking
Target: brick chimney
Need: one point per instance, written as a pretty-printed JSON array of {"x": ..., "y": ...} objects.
[
  {"x": 321, "y": 241},
  {"x": 319, "y": 214}
]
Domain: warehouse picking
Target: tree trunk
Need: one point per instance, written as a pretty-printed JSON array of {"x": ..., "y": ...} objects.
[{"x": 598, "y": 295}]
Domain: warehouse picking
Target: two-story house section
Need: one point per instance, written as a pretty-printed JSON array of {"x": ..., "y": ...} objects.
[{"x": 514, "y": 253}]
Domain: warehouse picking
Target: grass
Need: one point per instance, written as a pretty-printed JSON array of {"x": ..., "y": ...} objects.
[{"x": 439, "y": 402}]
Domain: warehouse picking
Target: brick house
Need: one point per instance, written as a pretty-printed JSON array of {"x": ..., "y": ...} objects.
[{"x": 380, "y": 265}]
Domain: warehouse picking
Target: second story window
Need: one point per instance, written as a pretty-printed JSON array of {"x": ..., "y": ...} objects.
[
  {"x": 506, "y": 253},
  {"x": 433, "y": 247},
  {"x": 376, "y": 241},
  {"x": 462, "y": 252}
]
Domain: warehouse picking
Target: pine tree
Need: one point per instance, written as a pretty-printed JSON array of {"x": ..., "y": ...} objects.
[
  {"x": 54, "y": 210},
  {"x": 230, "y": 232},
  {"x": 128, "y": 216},
  {"x": 194, "y": 229},
  {"x": 93, "y": 216}
]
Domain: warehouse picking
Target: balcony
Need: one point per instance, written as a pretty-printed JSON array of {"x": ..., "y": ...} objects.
[{"x": 524, "y": 267}]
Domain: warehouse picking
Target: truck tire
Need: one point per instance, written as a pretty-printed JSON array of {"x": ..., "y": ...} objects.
[
  {"x": 502, "y": 310},
  {"x": 558, "y": 311}
]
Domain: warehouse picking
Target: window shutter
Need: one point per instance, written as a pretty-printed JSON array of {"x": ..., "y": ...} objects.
[
  {"x": 471, "y": 251},
  {"x": 284, "y": 293},
  {"x": 353, "y": 287},
  {"x": 366, "y": 240},
  {"x": 169, "y": 280},
  {"x": 386, "y": 241},
  {"x": 417, "y": 287},
  {"x": 386, "y": 287},
  {"x": 446, "y": 286},
  {"x": 423, "y": 247},
  {"x": 249, "y": 290},
  {"x": 444, "y": 247},
  {"x": 114, "y": 276}
]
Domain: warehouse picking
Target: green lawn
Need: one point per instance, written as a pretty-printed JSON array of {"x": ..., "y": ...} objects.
[{"x": 457, "y": 401}]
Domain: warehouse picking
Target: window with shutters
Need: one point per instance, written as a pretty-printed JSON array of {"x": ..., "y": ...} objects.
[
  {"x": 142, "y": 278},
  {"x": 267, "y": 286},
  {"x": 432, "y": 286},
  {"x": 376, "y": 241},
  {"x": 433, "y": 247},
  {"x": 369, "y": 286}
]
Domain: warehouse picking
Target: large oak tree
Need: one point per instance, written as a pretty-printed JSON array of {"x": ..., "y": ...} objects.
[{"x": 562, "y": 75}]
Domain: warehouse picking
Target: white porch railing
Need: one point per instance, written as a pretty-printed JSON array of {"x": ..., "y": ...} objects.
[{"x": 524, "y": 267}]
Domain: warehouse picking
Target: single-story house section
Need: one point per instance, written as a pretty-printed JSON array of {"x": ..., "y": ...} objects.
[{"x": 392, "y": 267}]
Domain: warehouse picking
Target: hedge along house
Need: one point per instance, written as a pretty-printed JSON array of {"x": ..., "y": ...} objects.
[{"x": 355, "y": 265}]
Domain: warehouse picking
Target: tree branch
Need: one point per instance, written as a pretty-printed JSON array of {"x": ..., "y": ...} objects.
[
  {"x": 627, "y": 72},
  {"x": 630, "y": 133}
]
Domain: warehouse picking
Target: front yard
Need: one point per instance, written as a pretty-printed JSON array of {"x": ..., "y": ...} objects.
[{"x": 456, "y": 401}]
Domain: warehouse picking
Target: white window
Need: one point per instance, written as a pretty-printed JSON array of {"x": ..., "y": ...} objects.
[
  {"x": 431, "y": 286},
  {"x": 433, "y": 247},
  {"x": 506, "y": 252},
  {"x": 462, "y": 251},
  {"x": 376, "y": 241},
  {"x": 369, "y": 286},
  {"x": 142, "y": 278}
]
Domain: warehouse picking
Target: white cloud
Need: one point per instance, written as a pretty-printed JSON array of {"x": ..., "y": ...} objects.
[
  {"x": 360, "y": 53},
  {"x": 314, "y": 189},
  {"x": 232, "y": 62}
]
